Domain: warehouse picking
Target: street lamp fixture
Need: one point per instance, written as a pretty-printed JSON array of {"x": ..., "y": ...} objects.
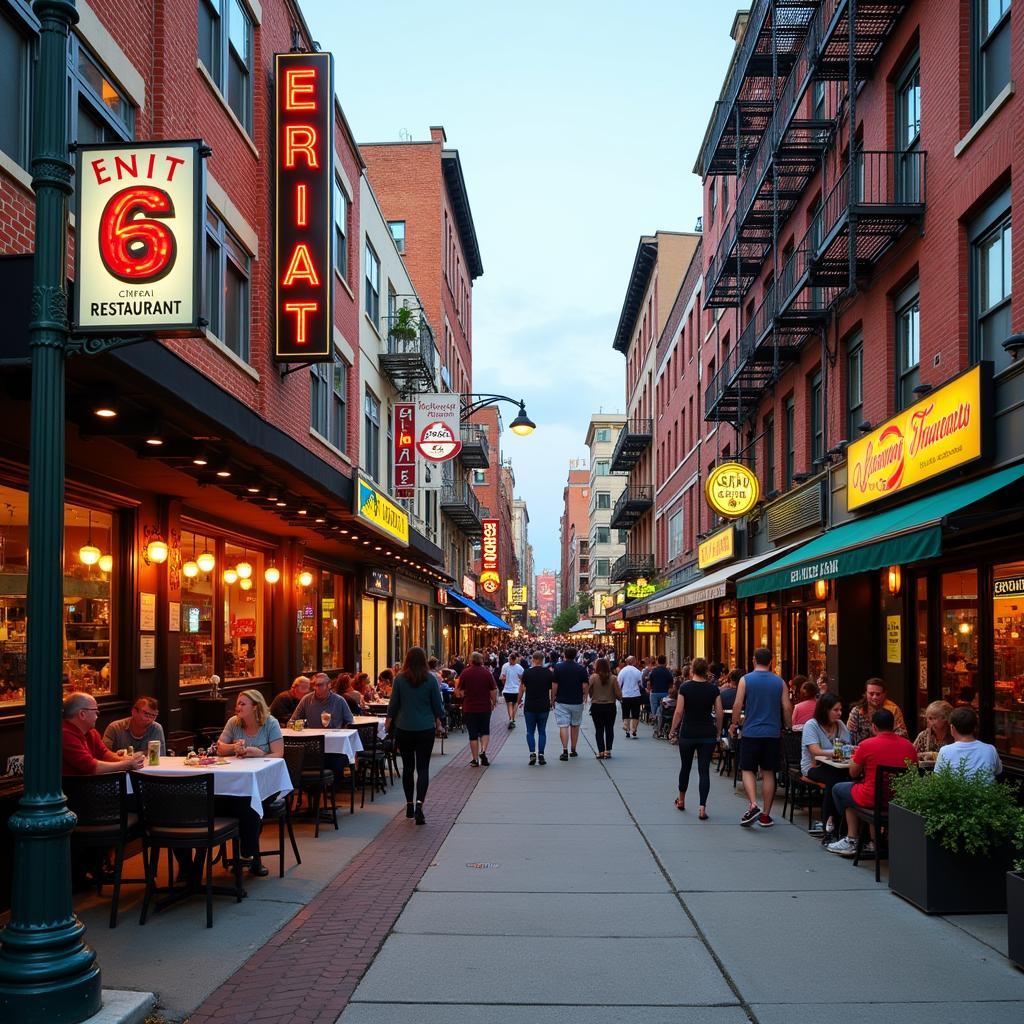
[{"x": 521, "y": 425}]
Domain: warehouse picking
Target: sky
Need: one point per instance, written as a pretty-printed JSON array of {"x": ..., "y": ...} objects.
[{"x": 578, "y": 124}]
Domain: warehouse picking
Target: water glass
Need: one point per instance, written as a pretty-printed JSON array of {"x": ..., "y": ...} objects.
[{"x": 325, "y": 718}]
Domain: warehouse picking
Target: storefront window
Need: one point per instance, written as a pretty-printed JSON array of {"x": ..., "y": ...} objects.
[
  {"x": 817, "y": 637},
  {"x": 1008, "y": 657},
  {"x": 727, "y": 634},
  {"x": 922, "y": 650},
  {"x": 959, "y": 683},
  {"x": 698, "y": 636},
  {"x": 768, "y": 632},
  {"x": 243, "y": 613},
  {"x": 306, "y": 627},
  {"x": 89, "y": 538},
  {"x": 196, "y": 636},
  {"x": 330, "y": 621}
]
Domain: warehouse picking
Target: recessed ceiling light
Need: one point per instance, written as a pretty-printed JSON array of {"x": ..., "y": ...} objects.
[
  {"x": 253, "y": 490},
  {"x": 105, "y": 411},
  {"x": 200, "y": 460},
  {"x": 155, "y": 441},
  {"x": 320, "y": 519},
  {"x": 342, "y": 530},
  {"x": 224, "y": 473},
  {"x": 377, "y": 547},
  {"x": 366, "y": 543},
  {"x": 280, "y": 504},
  {"x": 302, "y": 511}
]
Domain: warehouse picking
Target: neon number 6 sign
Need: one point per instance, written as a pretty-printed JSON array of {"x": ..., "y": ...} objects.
[{"x": 134, "y": 246}]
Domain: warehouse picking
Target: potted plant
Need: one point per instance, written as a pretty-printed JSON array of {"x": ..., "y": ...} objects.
[
  {"x": 1015, "y": 903},
  {"x": 951, "y": 840},
  {"x": 404, "y": 326}
]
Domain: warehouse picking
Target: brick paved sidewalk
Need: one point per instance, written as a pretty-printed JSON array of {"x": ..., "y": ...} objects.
[{"x": 308, "y": 971}]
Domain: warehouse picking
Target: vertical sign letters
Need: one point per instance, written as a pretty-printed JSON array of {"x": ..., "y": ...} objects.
[
  {"x": 405, "y": 449},
  {"x": 304, "y": 196},
  {"x": 490, "y": 575},
  {"x": 138, "y": 252}
]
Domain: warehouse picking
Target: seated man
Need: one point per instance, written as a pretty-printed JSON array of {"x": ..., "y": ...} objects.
[
  {"x": 137, "y": 730},
  {"x": 322, "y": 701},
  {"x": 284, "y": 704},
  {"x": 873, "y": 700},
  {"x": 83, "y": 750},
  {"x": 967, "y": 751},
  {"x": 883, "y": 748}
]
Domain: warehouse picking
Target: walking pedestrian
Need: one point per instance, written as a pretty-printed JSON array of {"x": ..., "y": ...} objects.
[
  {"x": 479, "y": 696},
  {"x": 697, "y": 723},
  {"x": 768, "y": 708},
  {"x": 536, "y": 700},
  {"x": 632, "y": 695},
  {"x": 569, "y": 692},
  {"x": 659, "y": 682},
  {"x": 511, "y": 675},
  {"x": 604, "y": 692}
]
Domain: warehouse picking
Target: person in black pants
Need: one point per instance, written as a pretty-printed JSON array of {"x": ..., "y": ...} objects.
[
  {"x": 604, "y": 692},
  {"x": 417, "y": 711},
  {"x": 698, "y": 723}
]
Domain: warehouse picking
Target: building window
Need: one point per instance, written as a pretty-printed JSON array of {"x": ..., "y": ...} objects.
[
  {"x": 329, "y": 400},
  {"x": 991, "y": 265},
  {"x": 714, "y": 198},
  {"x": 854, "y": 387},
  {"x": 818, "y": 101},
  {"x": 817, "y": 418},
  {"x": 602, "y": 435},
  {"x": 601, "y": 467},
  {"x": 372, "y": 298},
  {"x": 675, "y": 535},
  {"x": 371, "y": 419},
  {"x": 340, "y": 230},
  {"x": 227, "y": 286},
  {"x": 604, "y": 499},
  {"x": 908, "y": 133},
  {"x": 398, "y": 233},
  {"x": 225, "y": 49},
  {"x": 623, "y": 536},
  {"x": 15, "y": 84},
  {"x": 603, "y": 535},
  {"x": 990, "y": 56},
  {"x": 769, "y": 453},
  {"x": 601, "y": 567},
  {"x": 479, "y": 476},
  {"x": 99, "y": 111},
  {"x": 908, "y": 347},
  {"x": 790, "y": 424}
]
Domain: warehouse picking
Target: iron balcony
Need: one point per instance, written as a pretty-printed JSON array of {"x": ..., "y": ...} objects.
[
  {"x": 461, "y": 506},
  {"x": 410, "y": 357},
  {"x": 632, "y": 567},
  {"x": 475, "y": 452},
  {"x": 633, "y": 502},
  {"x": 634, "y": 439}
]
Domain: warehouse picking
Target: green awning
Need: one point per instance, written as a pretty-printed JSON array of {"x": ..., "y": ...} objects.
[{"x": 898, "y": 536}]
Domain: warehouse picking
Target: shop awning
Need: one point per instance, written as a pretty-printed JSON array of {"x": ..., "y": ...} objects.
[
  {"x": 489, "y": 617},
  {"x": 710, "y": 587},
  {"x": 898, "y": 536},
  {"x": 583, "y": 626}
]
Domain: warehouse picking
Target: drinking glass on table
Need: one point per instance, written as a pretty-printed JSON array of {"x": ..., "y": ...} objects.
[
  {"x": 239, "y": 748},
  {"x": 325, "y": 718}
]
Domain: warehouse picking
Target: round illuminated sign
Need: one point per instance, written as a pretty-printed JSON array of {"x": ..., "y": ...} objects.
[{"x": 732, "y": 490}]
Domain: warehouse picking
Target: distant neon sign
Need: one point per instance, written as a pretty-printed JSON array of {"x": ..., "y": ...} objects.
[{"x": 303, "y": 212}]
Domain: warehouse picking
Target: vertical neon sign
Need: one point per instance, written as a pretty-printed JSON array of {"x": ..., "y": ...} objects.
[{"x": 303, "y": 208}]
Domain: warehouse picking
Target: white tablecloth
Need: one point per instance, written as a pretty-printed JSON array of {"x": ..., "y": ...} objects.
[
  {"x": 336, "y": 741},
  {"x": 254, "y": 777},
  {"x": 369, "y": 720}
]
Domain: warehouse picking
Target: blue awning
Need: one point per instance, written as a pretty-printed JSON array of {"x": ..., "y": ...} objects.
[{"x": 489, "y": 617}]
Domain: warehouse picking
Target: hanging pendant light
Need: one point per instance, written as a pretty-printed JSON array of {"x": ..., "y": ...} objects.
[
  {"x": 272, "y": 574},
  {"x": 305, "y": 578},
  {"x": 106, "y": 563},
  {"x": 190, "y": 570},
  {"x": 157, "y": 551},
  {"x": 245, "y": 584},
  {"x": 206, "y": 561},
  {"x": 230, "y": 576},
  {"x": 244, "y": 567},
  {"x": 89, "y": 554}
]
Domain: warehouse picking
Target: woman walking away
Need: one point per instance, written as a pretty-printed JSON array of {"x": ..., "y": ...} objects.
[
  {"x": 698, "y": 724},
  {"x": 417, "y": 711},
  {"x": 535, "y": 697},
  {"x": 604, "y": 692}
]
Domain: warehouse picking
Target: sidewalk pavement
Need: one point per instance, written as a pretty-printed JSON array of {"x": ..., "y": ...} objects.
[{"x": 579, "y": 885}]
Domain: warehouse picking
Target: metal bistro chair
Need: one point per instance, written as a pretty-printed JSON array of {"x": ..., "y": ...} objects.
[
  {"x": 100, "y": 802},
  {"x": 280, "y": 809},
  {"x": 798, "y": 787},
  {"x": 177, "y": 813},
  {"x": 878, "y": 815},
  {"x": 315, "y": 780},
  {"x": 370, "y": 762}
]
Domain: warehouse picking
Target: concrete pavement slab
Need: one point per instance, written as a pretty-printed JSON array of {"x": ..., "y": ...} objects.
[
  {"x": 987, "y": 928},
  {"x": 420, "y": 1013},
  {"x": 907, "y": 955},
  {"x": 546, "y": 971},
  {"x": 555, "y": 914},
  {"x": 524, "y": 807},
  {"x": 948, "y": 1011}
]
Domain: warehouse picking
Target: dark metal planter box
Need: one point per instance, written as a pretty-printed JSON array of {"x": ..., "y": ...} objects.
[
  {"x": 940, "y": 882},
  {"x": 1015, "y": 916}
]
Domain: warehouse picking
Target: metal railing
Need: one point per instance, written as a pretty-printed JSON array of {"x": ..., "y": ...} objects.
[
  {"x": 627, "y": 567},
  {"x": 410, "y": 337},
  {"x": 460, "y": 494},
  {"x": 475, "y": 436},
  {"x": 633, "y": 495}
]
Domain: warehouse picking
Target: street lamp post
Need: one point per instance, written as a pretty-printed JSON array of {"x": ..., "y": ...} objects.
[
  {"x": 47, "y": 973},
  {"x": 521, "y": 425}
]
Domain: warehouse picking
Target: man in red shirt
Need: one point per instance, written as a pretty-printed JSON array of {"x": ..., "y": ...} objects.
[
  {"x": 883, "y": 748},
  {"x": 480, "y": 695},
  {"x": 84, "y": 751}
]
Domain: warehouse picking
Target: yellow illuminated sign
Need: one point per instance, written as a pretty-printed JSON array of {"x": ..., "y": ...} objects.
[
  {"x": 943, "y": 431},
  {"x": 732, "y": 490},
  {"x": 717, "y": 548},
  {"x": 377, "y": 511},
  {"x": 648, "y": 626}
]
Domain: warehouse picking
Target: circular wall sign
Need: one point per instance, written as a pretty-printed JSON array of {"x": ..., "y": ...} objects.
[{"x": 732, "y": 490}]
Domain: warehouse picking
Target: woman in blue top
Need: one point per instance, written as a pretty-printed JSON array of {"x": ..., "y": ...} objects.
[{"x": 417, "y": 711}]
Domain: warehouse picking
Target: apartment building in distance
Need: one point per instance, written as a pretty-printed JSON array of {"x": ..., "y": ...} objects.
[
  {"x": 607, "y": 545},
  {"x": 574, "y": 531}
]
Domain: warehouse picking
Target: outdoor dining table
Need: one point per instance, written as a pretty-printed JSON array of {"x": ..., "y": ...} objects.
[
  {"x": 336, "y": 741},
  {"x": 254, "y": 777},
  {"x": 378, "y": 707},
  {"x": 369, "y": 720},
  {"x": 928, "y": 766}
]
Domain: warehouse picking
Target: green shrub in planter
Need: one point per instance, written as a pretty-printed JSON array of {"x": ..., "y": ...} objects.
[{"x": 1015, "y": 904}]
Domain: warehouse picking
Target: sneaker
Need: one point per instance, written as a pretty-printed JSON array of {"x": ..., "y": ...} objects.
[
  {"x": 817, "y": 829},
  {"x": 751, "y": 815},
  {"x": 483, "y": 758},
  {"x": 564, "y": 755},
  {"x": 512, "y": 724},
  {"x": 533, "y": 759},
  {"x": 867, "y": 851},
  {"x": 540, "y": 759},
  {"x": 474, "y": 763},
  {"x": 845, "y": 847},
  {"x": 572, "y": 753},
  {"x": 765, "y": 820}
]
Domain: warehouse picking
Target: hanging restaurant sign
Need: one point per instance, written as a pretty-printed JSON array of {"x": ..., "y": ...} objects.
[
  {"x": 379, "y": 582},
  {"x": 947, "y": 429},
  {"x": 719, "y": 547},
  {"x": 490, "y": 575},
  {"x": 377, "y": 511},
  {"x": 732, "y": 490},
  {"x": 138, "y": 249},
  {"x": 639, "y": 589},
  {"x": 303, "y": 207},
  {"x": 647, "y": 626},
  {"x": 438, "y": 425},
  {"x": 405, "y": 450}
]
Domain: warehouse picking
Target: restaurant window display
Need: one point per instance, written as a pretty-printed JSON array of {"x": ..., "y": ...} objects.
[
  {"x": 728, "y": 634},
  {"x": 331, "y": 597},
  {"x": 243, "y": 612},
  {"x": 959, "y": 614},
  {"x": 195, "y": 653},
  {"x": 1008, "y": 657},
  {"x": 921, "y": 613},
  {"x": 767, "y": 630},
  {"x": 699, "y": 646},
  {"x": 306, "y": 625},
  {"x": 89, "y": 543},
  {"x": 817, "y": 639}
]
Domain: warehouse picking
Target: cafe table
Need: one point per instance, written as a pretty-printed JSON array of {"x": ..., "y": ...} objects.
[
  {"x": 370, "y": 720},
  {"x": 843, "y": 766},
  {"x": 254, "y": 777},
  {"x": 336, "y": 741}
]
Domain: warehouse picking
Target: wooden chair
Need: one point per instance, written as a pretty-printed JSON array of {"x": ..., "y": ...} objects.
[
  {"x": 176, "y": 812},
  {"x": 797, "y": 786},
  {"x": 280, "y": 808},
  {"x": 878, "y": 815},
  {"x": 316, "y": 779},
  {"x": 370, "y": 762},
  {"x": 100, "y": 803}
]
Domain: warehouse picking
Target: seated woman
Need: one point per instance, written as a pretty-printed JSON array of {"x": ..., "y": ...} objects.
[
  {"x": 807, "y": 696},
  {"x": 819, "y": 738},
  {"x": 252, "y": 731},
  {"x": 341, "y": 682},
  {"x": 935, "y": 735},
  {"x": 385, "y": 681},
  {"x": 354, "y": 693},
  {"x": 666, "y": 709}
]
